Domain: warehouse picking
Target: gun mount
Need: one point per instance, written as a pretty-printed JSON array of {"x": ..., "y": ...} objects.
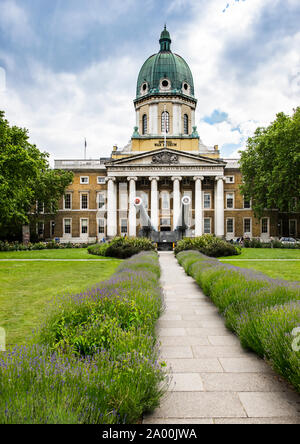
[{"x": 165, "y": 240}]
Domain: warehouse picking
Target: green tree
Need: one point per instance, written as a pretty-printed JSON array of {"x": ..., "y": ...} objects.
[
  {"x": 25, "y": 178},
  {"x": 271, "y": 165}
]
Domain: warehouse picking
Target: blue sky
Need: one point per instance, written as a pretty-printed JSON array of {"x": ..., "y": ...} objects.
[{"x": 71, "y": 66}]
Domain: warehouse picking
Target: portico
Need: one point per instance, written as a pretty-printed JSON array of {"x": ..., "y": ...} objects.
[{"x": 172, "y": 175}]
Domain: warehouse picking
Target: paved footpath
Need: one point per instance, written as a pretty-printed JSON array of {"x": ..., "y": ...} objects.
[{"x": 214, "y": 381}]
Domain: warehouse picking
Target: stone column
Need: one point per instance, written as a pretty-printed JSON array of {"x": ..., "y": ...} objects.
[
  {"x": 198, "y": 206},
  {"x": 132, "y": 209},
  {"x": 111, "y": 207},
  {"x": 219, "y": 210},
  {"x": 176, "y": 200},
  {"x": 154, "y": 201}
]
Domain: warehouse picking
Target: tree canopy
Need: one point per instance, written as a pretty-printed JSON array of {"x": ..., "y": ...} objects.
[
  {"x": 271, "y": 165},
  {"x": 25, "y": 178}
]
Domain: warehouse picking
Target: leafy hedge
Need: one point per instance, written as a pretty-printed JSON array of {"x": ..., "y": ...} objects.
[
  {"x": 95, "y": 360},
  {"x": 208, "y": 245},
  {"x": 52, "y": 245},
  {"x": 262, "y": 311},
  {"x": 121, "y": 247},
  {"x": 256, "y": 243}
]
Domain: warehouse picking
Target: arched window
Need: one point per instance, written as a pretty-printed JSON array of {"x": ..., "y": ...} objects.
[
  {"x": 145, "y": 124},
  {"x": 186, "y": 124},
  {"x": 165, "y": 122}
]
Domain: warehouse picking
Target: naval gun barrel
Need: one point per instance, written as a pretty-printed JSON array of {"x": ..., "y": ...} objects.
[
  {"x": 146, "y": 224},
  {"x": 182, "y": 224}
]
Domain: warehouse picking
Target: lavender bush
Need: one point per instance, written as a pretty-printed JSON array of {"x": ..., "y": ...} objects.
[
  {"x": 262, "y": 311},
  {"x": 95, "y": 359}
]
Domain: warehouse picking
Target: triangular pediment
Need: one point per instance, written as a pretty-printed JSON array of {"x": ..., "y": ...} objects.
[{"x": 166, "y": 156}]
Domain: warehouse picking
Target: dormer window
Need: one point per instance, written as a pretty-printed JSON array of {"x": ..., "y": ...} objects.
[
  {"x": 144, "y": 88},
  {"x": 165, "y": 85},
  {"x": 186, "y": 88}
]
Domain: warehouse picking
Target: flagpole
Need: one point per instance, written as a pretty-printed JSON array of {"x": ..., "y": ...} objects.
[
  {"x": 165, "y": 123},
  {"x": 85, "y": 149}
]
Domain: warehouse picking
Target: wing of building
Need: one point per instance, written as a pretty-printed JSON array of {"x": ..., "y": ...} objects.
[{"x": 164, "y": 161}]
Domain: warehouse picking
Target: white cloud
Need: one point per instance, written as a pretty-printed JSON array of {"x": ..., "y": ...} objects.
[
  {"x": 15, "y": 22},
  {"x": 250, "y": 99},
  {"x": 62, "y": 109}
]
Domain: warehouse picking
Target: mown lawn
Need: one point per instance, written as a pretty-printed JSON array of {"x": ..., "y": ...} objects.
[
  {"x": 267, "y": 253},
  {"x": 68, "y": 253},
  {"x": 289, "y": 271},
  {"x": 27, "y": 287},
  {"x": 277, "y": 269}
]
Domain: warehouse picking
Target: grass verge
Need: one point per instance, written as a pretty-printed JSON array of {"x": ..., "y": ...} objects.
[
  {"x": 95, "y": 360},
  {"x": 27, "y": 288},
  {"x": 263, "y": 312},
  {"x": 289, "y": 271}
]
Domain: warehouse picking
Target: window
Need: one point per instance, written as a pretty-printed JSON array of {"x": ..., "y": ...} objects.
[
  {"x": 265, "y": 225},
  {"x": 165, "y": 222},
  {"x": 68, "y": 201},
  {"x": 101, "y": 226},
  {"x": 207, "y": 225},
  {"x": 229, "y": 179},
  {"x": 229, "y": 200},
  {"x": 230, "y": 226},
  {"x": 207, "y": 200},
  {"x": 123, "y": 196},
  {"x": 186, "y": 124},
  {"x": 247, "y": 204},
  {"x": 101, "y": 180},
  {"x": 293, "y": 204},
  {"x": 186, "y": 182},
  {"x": 67, "y": 226},
  {"x": 84, "y": 202},
  {"x": 247, "y": 226},
  {"x": 84, "y": 226},
  {"x": 40, "y": 229},
  {"x": 165, "y": 122},
  {"x": 165, "y": 182},
  {"x": 124, "y": 226},
  {"x": 293, "y": 227},
  {"x": 165, "y": 201},
  {"x": 84, "y": 180},
  {"x": 40, "y": 207},
  {"x": 52, "y": 228},
  {"x": 101, "y": 201},
  {"x": 144, "y": 124}
]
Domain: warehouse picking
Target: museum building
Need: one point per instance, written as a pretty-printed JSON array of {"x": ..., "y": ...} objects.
[{"x": 164, "y": 161}]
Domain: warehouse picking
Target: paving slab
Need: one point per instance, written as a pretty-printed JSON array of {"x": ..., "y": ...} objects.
[
  {"x": 273, "y": 404},
  {"x": 173, "y": 341},
  {"x": 213, "y": 351},
  {"x": 186, "y": 382},
  {"x": 242, "y": 382},
  {"x": 195, "y": 365},
  {"x": 176, "y": 352},
  {"x": 195, "y": 421},
  {"x": 286, "y": 420},
  {"x": 200, "y": 405},
  {"x": 245, "y": 365},
  {"x": 223, "y": 340}
]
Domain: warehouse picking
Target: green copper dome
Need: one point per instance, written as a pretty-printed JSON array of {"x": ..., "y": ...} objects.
[{"x": 165, "y": 72}]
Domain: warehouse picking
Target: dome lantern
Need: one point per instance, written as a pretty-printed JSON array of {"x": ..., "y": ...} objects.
[{"x": 165, "y": 40}]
